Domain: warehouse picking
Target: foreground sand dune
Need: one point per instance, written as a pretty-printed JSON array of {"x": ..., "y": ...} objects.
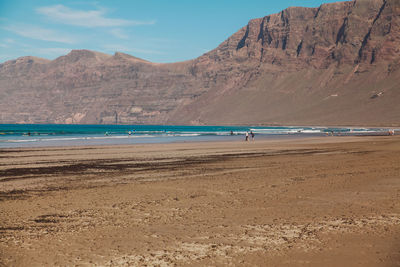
[{"x": 330, "y": 201}]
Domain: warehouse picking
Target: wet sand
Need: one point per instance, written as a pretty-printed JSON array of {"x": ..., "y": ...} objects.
[{"x": 331, "y": 201}]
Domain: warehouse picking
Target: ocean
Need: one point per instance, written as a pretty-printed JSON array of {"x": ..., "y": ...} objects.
[{"x": 38, "y": 135}]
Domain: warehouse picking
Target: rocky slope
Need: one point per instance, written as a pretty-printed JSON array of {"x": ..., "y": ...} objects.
[{"x": 333, "y": 65}]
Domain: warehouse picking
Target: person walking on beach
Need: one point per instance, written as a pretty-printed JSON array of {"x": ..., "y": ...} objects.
[
  {"x": 252, "y": 136},
  {"x": 247, "y": 136}
]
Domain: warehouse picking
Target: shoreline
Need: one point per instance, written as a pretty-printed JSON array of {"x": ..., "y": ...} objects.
[
  {"x": 322, "y": 201},
  {"x": 81, "y": 135},
  {"x": 240, "y": 138},
  {"x": 121, "y": 140},
  {"x": 228, "y": 125}
]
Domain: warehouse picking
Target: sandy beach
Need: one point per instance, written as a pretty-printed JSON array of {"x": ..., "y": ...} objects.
[{"x": 329, "y": 201}]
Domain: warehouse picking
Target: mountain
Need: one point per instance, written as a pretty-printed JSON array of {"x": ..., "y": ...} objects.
[{"x": 338, "y": 64}]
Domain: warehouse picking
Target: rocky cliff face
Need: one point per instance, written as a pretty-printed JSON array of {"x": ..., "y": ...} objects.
[{"x": 336, "y": 64}]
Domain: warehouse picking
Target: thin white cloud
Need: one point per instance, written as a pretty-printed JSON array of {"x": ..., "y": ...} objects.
[
  {"x": 53, "y": 51},
  {"x": 122, "y": 48},
  {"x": 7, "y": 42},
  {"x": 39, "y": 33},
  {"x": 83, "y": 18},
  {"x": 119, "y": 33}
]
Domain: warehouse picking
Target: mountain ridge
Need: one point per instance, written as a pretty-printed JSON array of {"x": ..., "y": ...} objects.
[{"x": 337, "y": 64}]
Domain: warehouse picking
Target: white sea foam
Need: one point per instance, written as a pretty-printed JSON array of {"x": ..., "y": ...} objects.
[
  {"x": 186, "y": 134},
  {"x": 20, "y": 140},
  {"x": 311, "y": 131},
  {"x": 75, "y": 138},
  {"x": 286, "y": 130}
]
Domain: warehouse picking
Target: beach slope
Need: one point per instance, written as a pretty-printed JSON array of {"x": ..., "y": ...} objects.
[{"x": 330, "y": 201}]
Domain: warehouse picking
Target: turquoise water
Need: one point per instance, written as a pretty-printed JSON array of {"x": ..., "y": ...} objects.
[{"x": 32, "y": 135}]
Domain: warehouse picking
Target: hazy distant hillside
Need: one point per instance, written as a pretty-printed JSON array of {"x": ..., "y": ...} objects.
[{"x": 333, "y": 65}]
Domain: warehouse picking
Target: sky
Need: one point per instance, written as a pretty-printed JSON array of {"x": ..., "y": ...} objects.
[{"x": 155, "y": 30}]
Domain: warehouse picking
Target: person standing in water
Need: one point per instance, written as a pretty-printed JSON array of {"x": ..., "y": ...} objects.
[
  {"x": 247, "y": 136},
  {"x": 252, "y": 136}
]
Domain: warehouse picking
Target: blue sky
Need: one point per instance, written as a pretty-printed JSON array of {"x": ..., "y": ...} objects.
[{"x": 155, "y": 30}]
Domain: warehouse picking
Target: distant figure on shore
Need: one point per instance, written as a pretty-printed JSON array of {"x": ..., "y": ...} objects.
[
  {"x": 252, "y": 136},
  {"x": 247, "y": 136},
  {"x": 231, "y": 132},
  {"x": 391, "y": 132},
  {"x": 129, "y": 132}
]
